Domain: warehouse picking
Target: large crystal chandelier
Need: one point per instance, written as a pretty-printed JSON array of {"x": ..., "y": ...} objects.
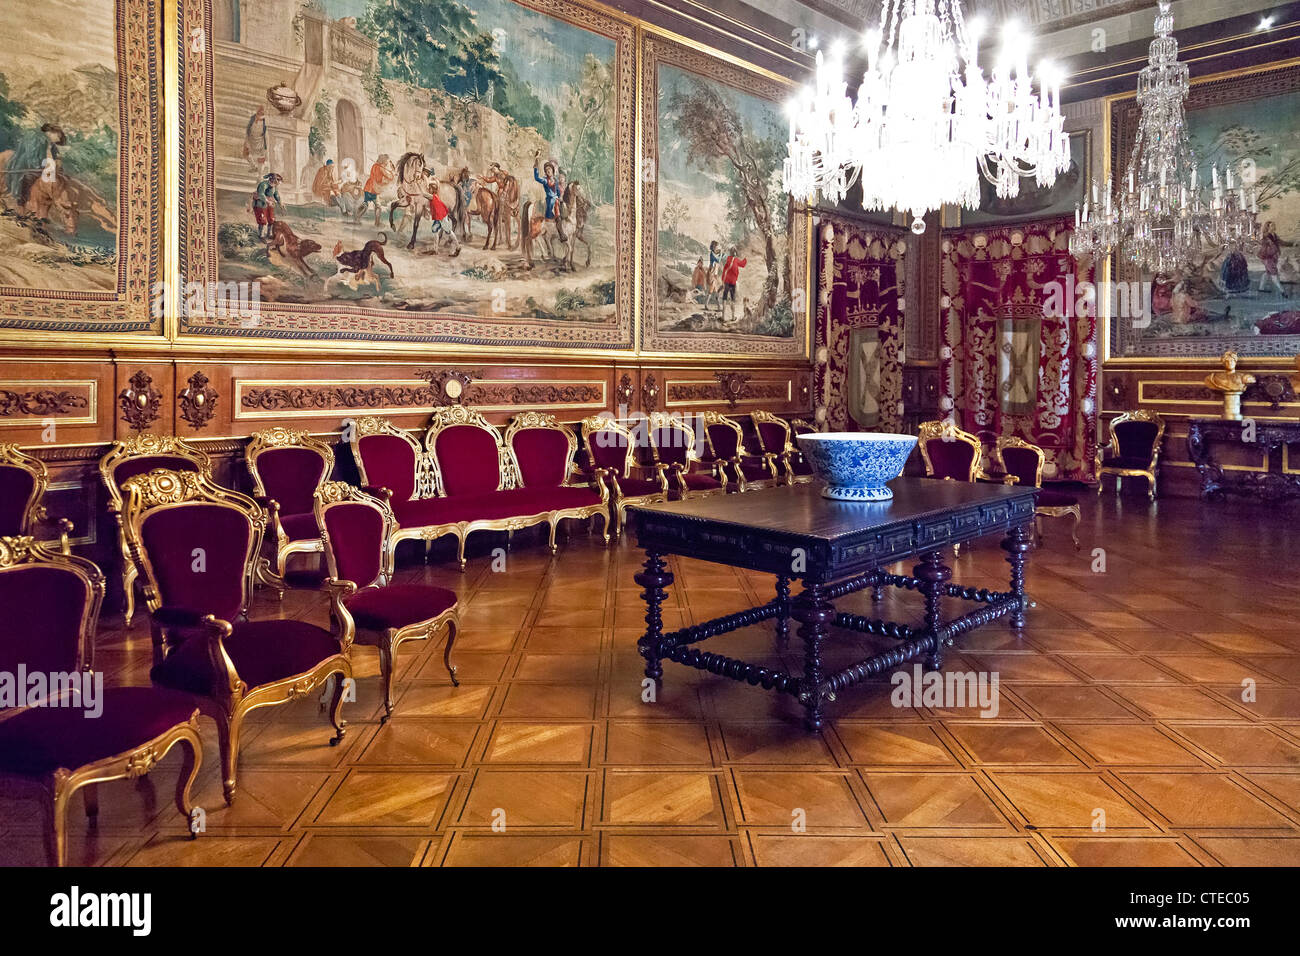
[
  {"x": 926, "y": 123},
  {"x": 1164, "y": 217}
]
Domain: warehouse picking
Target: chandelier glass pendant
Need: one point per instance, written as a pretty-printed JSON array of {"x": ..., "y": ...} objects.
[
  {"x": 926, "y": 123},
  {"x": 1163, "y": 218}
]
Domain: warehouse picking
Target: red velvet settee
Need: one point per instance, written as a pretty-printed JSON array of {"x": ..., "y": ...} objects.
[{"x": 469, "y": 478}]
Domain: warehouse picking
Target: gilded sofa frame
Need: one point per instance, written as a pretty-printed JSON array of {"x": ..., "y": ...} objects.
[
  {"x": 592, "y": 426},
  {"x": 331, "y": 494},
  {"x": 525, "y": 421},
  {"x": 140, "y": 446},
  {"x": 277, "y": 437},
  {"x": 57, "y": 789},
  {"x": 663, "y": 420},
  {"x": 1149, "y": 473},
  {"x": 231, "y": 700},
  {"x": 1040, "y": 511}
]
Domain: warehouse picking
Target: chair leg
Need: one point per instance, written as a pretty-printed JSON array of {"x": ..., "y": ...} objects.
[
  {"x": 336, "y": 708},
  {"x": 1151, "y": 487},
  {"x": 956, "y": 550},
  {"x": 460, "y": 551},
  {"x": 387, "y": 658},
  {"x": 192, "y": 758},
  {"x": 56, "y": 836},
  {"x": 428, "y": 549},
  {"x": 1074, "y": 528},
  {"x": 554, "y": 523},
  {"x": 604, "y": 527},
  {"x": 128, "y": 593},
  {"x": 452, "y": 630},
  {"x": 228, "y": 743}
]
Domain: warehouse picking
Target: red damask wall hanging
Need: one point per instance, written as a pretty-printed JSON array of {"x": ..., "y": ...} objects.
[
  {"x": 1019, "y": 342},
  {"x": 860, "y": 326}
]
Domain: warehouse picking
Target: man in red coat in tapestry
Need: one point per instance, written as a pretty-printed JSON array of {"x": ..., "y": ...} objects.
[{"x": 731, "y": 267}]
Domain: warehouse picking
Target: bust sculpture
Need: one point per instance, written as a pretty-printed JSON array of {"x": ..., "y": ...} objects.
[{"x": 1231, "y": 383}]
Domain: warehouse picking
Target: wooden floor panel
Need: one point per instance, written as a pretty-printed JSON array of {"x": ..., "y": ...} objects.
[{"x": 1148, "y": 715}]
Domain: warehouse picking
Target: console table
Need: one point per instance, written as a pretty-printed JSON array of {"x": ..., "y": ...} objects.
[
  {"x": 1216, "y": 480},
  {"x": 834, "y": 548}
]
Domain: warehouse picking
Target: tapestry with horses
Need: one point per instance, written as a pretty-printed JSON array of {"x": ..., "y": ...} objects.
[
  {"x": 1019, "y": 333},
  {"x": 860, "y": 325},
  {"x": 345, "y": 178},
  {"x": 80, "y": 166}
]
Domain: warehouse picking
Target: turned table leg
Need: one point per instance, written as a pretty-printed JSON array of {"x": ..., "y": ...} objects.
[
  {"x": 783, "y": 614},
  {"x": 933, "y": 575},
  {"x": 655, "y": 579},
  {"x": 814, "y": 613},
  {"x": 1016, "y": 545}
]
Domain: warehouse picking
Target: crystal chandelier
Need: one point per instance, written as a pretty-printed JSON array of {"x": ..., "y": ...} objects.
[
  {"x": 926, "y": 123},
  {"x": 1163, "y": 219}
]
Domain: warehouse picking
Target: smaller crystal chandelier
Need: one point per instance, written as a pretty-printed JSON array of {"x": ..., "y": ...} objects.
[
  {"x": 926, "y": 123},
  {"x": 1162, "y": 219}
]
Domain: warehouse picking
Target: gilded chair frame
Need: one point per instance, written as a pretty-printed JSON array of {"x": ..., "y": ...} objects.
[
  {"x": 332, "y": 494},
  {"x": 271, "y": 439},
  {"x": 793, "y": 449},
  {"x": 712, "y": 418},
  {"x": 58, "y": 788},
  {"x": 1149, "y": 473},
  {"x": 945, "y": 430},
  {"x": 140, "y": 446},
  {"x": 231, "y": 699},
  {"x": 1040, "y": 511},
  {"x": 530, "y": 420},
  {"x": 34, "y": 512},
  {"x": 595, "y": 424},
  {"x": 788, "y": 450},
  {"x": 665, "y": 420},
  {"x": 426, "y": 481}
]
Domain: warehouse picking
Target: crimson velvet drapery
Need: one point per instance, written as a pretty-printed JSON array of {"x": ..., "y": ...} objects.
[
  {"x": 860, "y": 324},
  {"x": 1019, "y": 334}
]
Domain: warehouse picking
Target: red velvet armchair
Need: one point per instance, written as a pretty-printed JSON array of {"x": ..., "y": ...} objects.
[
  {"x": 287, "y": 467},
  {"x": 135, "y": 456},
  {"x": 357, "y": 530},
  {"x": 724, "y": 448},
  {"x": 1024, "y": 461},
  {"x": 774, "y": 439},
  {"x": 950, "y": 453},
  {"x": 799, "y": 466},
  {"x": 51, "y": 748},
  {"x": 672, "y": 449},
  {"x": 23, "y": 483},
  {"x": 610, "y": 449},
  {"x": 1133, "y": 450},
  {"x": 544, "y": 455},
  {"x": 197, "y": 545}
]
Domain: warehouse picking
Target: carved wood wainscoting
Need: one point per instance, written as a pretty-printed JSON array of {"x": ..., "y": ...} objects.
[
  {"x": 67, "y": 408},
  {"x": 1179, "y": 394}
]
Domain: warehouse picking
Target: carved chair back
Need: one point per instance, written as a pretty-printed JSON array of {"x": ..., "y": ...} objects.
[
  {"x": 288, "y": 466},
  {"x": 468, "y": 454},
  {"x": 1020, "y": 458},
  {"x": 387, "y": 456},
  {"x": 773, "y": 433},
  {"x": 195, "y": 542},
  {"x": 672, "y": 440},
  {"x": 949, "y": 452},
  {"x": 724, "y": 439},
  {"x": 357, "y": 529},
  {"x": 23, "y": 480},
  {"x": 609, "y": 444},
  {"x": 542, "y": 449},
  {"x": 50, "y": 604},
  {"x": 143, "y": 453},
  {"x": 1137, "y": 434}
]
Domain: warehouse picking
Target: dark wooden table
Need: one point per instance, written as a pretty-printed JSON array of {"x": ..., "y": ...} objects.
[
  {"x": 1272, "y": 483},
  {"x": 834, "y": 548}
]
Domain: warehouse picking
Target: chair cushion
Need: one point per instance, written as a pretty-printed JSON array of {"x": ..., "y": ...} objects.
[
  {"x": 16, "y": 487},
  {"x": 222, "y": 536},
  {"x": 389, "y": 462},
  {"x": 1023, "y": 463},
  {"x": 1127, "y": 461},
  {"x": 43, "y": 607},
  {"x": 772, "y": 435},
  {"x": 300, "y": 527},
  {"x": 951, "y": 459},
  {"x": 291, "y": 475},
  {"x": 468, "y": 460},
  {"x": 398, "y": 605},
  {"x": 542, "y": 455},
  {"x": 1056, "y": 499},
  {"x": 493, "y": 506},
  {"x": 43, "y": 739},
  {"x": 608, "y": 449},
  {"x": 635, "y": 487},
  {"x": 698, "y": 481},
  {"x": 356, "y": 538},
  {"x": 724, "y": 440},
  {"x": 1134, "y": 439},
  {"x": 262, "y": 651}
]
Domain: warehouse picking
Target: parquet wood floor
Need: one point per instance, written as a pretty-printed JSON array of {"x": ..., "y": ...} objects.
[{"x": 1123, "y": 699}]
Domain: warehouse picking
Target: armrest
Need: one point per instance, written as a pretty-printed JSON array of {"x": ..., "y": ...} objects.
[
  {"x": 178, "y": 617},
  {"x": 379, "y": 491},
  {"x": 339, "y": 591}
]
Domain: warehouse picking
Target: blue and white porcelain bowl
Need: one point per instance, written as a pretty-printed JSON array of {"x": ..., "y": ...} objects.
[{"x": 856, "y": 465}]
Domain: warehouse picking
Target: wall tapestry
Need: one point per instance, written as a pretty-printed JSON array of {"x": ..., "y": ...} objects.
[
  {"x": 860, "y": 324},
  {"x": 80, "y": 115},
  {"x": 1019, "y": 353},
  {"x": 1245, "y": 300},
  {"x": 375, "y": 184},
  {"x": 725, "y": 251},
  {"x": 1034, "y": 201}
]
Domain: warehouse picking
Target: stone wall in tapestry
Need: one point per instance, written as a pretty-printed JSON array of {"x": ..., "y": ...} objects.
[
  {"x": 375, "y": 185},
  {"x": 80, "y": 113}
]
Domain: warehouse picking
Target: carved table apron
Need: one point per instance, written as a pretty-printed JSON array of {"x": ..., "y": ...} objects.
[
  {"x": 834, "y": 548},
  {"x": 1266, "y": 436}
]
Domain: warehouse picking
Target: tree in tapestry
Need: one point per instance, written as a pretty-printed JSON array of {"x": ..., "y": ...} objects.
[{"x": 417, "y": 155}]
